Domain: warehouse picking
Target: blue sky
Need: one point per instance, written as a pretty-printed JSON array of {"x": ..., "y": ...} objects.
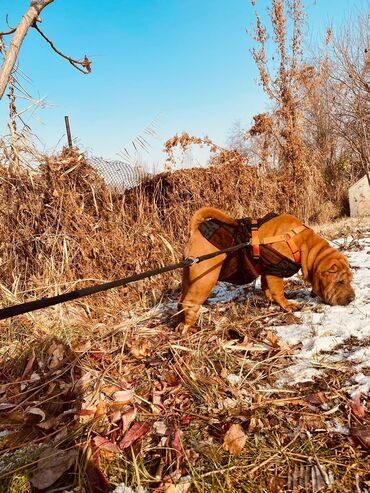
[{"x": 184, "y": 63}]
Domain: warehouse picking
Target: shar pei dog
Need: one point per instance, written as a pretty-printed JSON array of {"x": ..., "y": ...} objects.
[{"x": 278, "y": 246}]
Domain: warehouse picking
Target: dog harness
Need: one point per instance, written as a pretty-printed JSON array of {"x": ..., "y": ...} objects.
[{"x": 245, "y": 265}]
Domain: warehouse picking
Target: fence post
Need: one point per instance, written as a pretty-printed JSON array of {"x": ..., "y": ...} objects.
[{"x": 68, "y": 129}]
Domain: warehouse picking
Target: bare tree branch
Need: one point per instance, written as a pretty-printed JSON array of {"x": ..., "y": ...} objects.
[
  {"x": 29, "y": 20},
  {"x": 84, "y": 63},
  {"x": 20, "y": 33},
  {"x": 11, "y": 31}
]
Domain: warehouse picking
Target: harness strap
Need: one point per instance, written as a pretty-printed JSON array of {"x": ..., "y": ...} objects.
[
  {"x": 288, "y": 237},
  {"x": 255, "y": 242}
]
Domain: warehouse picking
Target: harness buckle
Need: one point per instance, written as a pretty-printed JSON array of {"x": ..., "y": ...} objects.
[{"x": 189, "y": 261}]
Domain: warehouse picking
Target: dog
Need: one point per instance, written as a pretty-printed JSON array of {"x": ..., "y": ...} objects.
[{"x": 325, "y": 268}]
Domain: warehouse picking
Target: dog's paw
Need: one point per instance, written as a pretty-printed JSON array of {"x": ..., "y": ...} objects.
[
  {"x": 292, "y": 307},
  {"x": 186, "y": 329},
  {"x": 268, "y": 295}
]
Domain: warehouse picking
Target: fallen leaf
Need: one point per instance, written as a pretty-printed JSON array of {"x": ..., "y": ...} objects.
[
  {"x": 140, "y": 349},
  {"x": 81, "y": 347},
  {"x": 137, "y": 431},
  {"x": 83, "y": 381},
  {"x": 181, "y": 487},
  {"x": 101, "y": 409},
  {"x": 255, "y": 424},
  {"x": 157, "y": 405},
  {"x": 127, "y": 419},
  {"x": 362, "y": 434},
  {"x": 37, "y": 411},
  {"x": 34, "y": 377},
  {"x": 52, "y": 464},
  {"x": 29, "y": 365},
  {"x": 160, "y": 427},
  {"x": 57, "y": 352},
  {"x": 102, "y": 443},
  {"x": 356, "y": 406},
  {"x": 234, "y": 439},
  {"x": 124, "y": 396},
  {"x": 116, "y": 416},
  {"x": 98, "y": 481},
  {"x": 174, "y": 483},
  {"x": 6, "y": 405},
  {"x": 317, "y": 398},
  {"x": 111, "y": 389},
  {"x": 49, "y": 423},
  {"x": 176, "y": 444}
]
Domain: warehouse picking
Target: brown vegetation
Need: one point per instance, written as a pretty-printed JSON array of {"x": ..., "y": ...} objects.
[
  {"x": 318, "y": 129},
  {"x": 63, "y": 225},
  {"x": 105, "y": 388}
]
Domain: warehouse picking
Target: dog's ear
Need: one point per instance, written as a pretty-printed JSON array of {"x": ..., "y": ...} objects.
[{"x": 333, "y": 269}]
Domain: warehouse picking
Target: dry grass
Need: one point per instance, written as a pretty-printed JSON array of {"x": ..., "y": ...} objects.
[
  {"x": 188, "y": 390},
  {"x": 63, "y": 228}
]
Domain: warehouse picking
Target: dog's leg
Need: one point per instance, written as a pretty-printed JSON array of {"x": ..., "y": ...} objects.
[
  {"x": 198, "y": 282},
  {"x": 276, "y": 293},
  {"x": 265, "y": 287}
]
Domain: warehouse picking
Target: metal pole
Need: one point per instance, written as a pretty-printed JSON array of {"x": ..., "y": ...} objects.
[{"x": 68, "y": 129}]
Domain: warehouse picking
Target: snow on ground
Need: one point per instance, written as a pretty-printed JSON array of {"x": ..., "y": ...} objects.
[{"x": 331, "y": 337}]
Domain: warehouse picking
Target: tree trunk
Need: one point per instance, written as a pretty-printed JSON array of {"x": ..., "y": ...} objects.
[{"x": 22, "y": 29}]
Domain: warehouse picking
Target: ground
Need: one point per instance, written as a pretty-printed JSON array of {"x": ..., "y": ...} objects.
[{"x": 257, "y": 400}]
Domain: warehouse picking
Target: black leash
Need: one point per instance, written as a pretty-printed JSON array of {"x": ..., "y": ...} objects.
[{"x": 12, "y": 311}]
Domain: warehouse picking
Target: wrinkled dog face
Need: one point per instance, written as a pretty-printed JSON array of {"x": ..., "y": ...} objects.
[{"x": 332, "y": 282}]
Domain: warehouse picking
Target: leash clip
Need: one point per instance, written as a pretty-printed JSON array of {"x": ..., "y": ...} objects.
[{"x": 188, "y": 261}]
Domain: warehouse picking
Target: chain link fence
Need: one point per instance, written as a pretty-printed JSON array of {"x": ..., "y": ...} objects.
[{"x": 118, "y": 174}]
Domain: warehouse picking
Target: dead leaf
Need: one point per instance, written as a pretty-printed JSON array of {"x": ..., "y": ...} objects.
[
  {"x": 49, "y": 423},
  {"x": 29, "y": 365},
  {"x": 37, "y": 411},
  {"x": 362, "y": 434},
  {"x": 102, "y": 443},
  {"x": 160, "y": 427},
  {"x": 255, "y": 424},
  {"x": 6, "y": 405},
  {"x": 157, "y": 405},
  {"x": 234, "y": 439},
  {"x": 356, "y": 406},
  {"x": 83, "y": 382},
  {"x": 176, "y": 444},
  {"x": 81, "y": 347},
  {"x": 272, "y": 338},
  {"x": 101, "y": 409},
  {"x": 181, "y": 487},
  {"x": 52, "y": 464},
  {"x": 137, "y": 431},
  {"x": 140, "y": 349},
  {"x": 111, "y": 389},
  {"x": 98, "y": 481},
  {"x": 56, "y": 352},
  {"x": 127, "y": 419},
  {"x": 35, "y": 377},
  {"x": 124, "y": 396},
  {"x": 116, "y": 416},
  {"x": 317, "y": 398}
]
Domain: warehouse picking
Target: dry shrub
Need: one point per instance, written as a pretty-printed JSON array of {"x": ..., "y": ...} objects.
[{"x": 64, "y": 227}]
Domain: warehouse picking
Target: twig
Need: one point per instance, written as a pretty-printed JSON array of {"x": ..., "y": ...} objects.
[
  {"x": 86, "y": 63},
  {"x": 8, "y": 32}
]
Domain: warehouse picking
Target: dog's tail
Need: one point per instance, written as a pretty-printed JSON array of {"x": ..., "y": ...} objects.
[{"x": 209, "y": 212}]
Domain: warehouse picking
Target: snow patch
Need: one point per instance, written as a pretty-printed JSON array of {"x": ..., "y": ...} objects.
[{"x": 337, "y": 336}]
